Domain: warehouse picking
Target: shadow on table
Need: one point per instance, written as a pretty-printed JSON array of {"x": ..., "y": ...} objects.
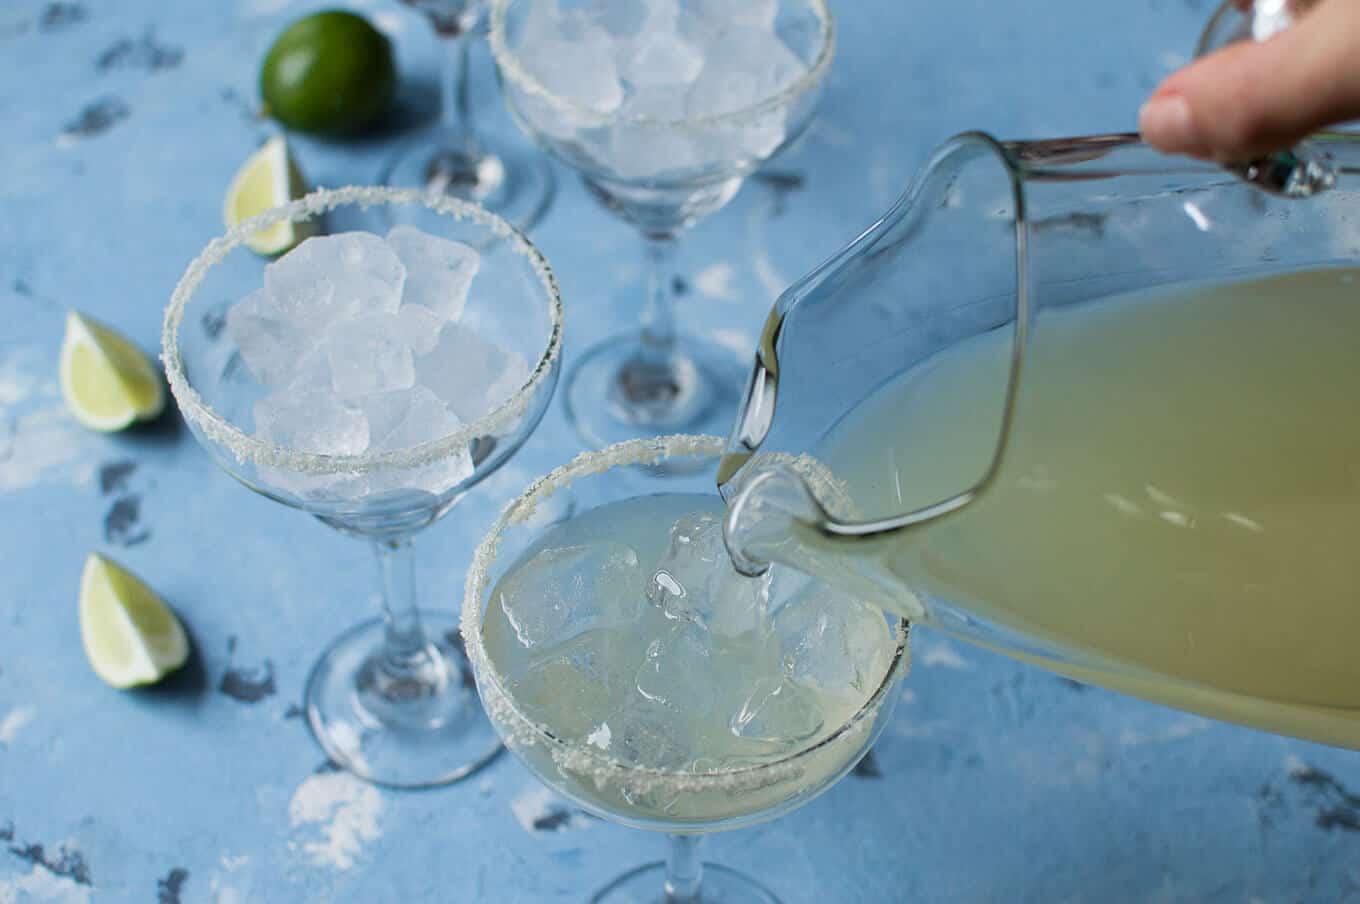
[
  {"x": 164, "y": 429},
  {"x": 416, "y": 107},
  {"x": 187, "y": 683}
]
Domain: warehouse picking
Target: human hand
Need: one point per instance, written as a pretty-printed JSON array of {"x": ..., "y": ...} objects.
[{"x": 1248, "y": 99}]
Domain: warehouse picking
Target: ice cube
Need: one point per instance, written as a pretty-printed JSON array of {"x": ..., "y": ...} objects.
[
  {"x": 329, "y": 278},
  {"x": 407, "y": 417},
  {"x": 661, "y": 58},
  {"x": 569, "y": 686},
  {"x": 695, "y": 581},
  {"x": 563, "y": 592},
  {"x": 315, "y": 422},
  {"x": 645, "y": 737},
  {"x": 312, "y": 373},
  {"x": 647, "y": 149},
  {"x": 471, "y": 374},
  {"x": 270, "y": 345},
  {"x": 652, "y": 740},
  {"x": 622, "y": 19},
  {"x": 643, "y": 150},
  {"x": 749, "y": 13},
  {"x": 418, "y": 327},
  {"x": 778, "y": 711},
  {"x": 666, "y": 103},
  {"x": 573, "y": 58},
  {"x": 744, "y": 67},
  {"x": 629, "y": 20},
  {"x": 410, "y": 417},
  {"x": 439, "y": 272},
  {"x": 835, "y": 644},
  {"x": 367, "y": 354},
  {"x": 677, "y": 671},
  {"x": 541, "y": 24}
]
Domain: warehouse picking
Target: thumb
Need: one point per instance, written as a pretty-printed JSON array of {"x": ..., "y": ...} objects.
[{"x": 1249, "y": 99}]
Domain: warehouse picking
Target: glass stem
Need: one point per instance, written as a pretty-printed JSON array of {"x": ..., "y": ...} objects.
[
  {"x": 455, "y": 105},
  {"x": 407, "y": 659},
  {"x": 658, "y": 317},
  {"x": 684, "y": 868}
]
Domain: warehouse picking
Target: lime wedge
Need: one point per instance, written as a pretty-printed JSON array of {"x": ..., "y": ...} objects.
[
  {"x": 131, "y": 637},
  {"x": 268, "y": 178},
  {"x": 106, "y": 380}
]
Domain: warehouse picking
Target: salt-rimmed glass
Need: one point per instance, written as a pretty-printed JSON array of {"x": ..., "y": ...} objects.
[
  {"x": 391, "y": 700},
  {"x": 457, "y": 158},
  {"x": 656, "y": 380},
  {"x": 683, "y": 804}
]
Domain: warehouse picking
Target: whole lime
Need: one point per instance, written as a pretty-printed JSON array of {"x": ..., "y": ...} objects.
[{"x": 330, "y": 72}]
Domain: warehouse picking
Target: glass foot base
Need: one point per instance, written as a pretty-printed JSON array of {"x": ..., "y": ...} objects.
[
  {"x": 415, "y": 741},
  {"x": 720, "y": 885},
  {"x": 512, "y": 181},
  {"x": 610, "y": 396}
]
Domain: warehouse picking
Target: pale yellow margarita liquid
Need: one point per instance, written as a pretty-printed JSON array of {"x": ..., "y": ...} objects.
[{"x": 1180, "y": 503}]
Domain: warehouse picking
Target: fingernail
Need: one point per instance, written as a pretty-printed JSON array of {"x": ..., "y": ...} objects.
[{"x": 1165, "y": 122}]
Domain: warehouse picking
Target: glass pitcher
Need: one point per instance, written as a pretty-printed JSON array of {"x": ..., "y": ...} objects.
[{"x": 1094, "y": 405}]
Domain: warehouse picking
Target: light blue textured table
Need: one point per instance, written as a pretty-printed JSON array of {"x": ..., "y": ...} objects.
[{"x": 120, "y": 126}]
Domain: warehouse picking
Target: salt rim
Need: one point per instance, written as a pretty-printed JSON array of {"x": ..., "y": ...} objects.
[
  {"x": 520, "y": 731},
  {"x": 261, "y": 452},
  {"x": 507, "y": 62}
]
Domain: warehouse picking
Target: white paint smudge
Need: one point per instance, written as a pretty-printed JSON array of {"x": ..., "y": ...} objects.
[
  {"x": 220, "y": 892},
  {"x": 716, "y": 282},
  {"x": 19, "y": 376},
  {"x": 736, "y": 341},
  {"x": 539, "y": 803},
  {"x": 265, "y": 7},
  {"x": 770, "y": 278},
  {"x": 232, "y": 863},
  {"x": 927, "y": 729},
  {"x": 832, "y": 134},
  {"x": 1184, "y": 729},
  {"x": 1176, "y": 731},
  {"x": 39, "y": 884},
  {"x": 39, "y": 440},
  {"x": 944, "y": 655},
  {"x": 16, "y": 719},
  {"x": 40, "y": 447},
  {"x": 343, "y": 810}
]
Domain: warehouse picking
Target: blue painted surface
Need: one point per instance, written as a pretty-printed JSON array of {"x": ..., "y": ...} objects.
[{"x": 993, "y": 782}]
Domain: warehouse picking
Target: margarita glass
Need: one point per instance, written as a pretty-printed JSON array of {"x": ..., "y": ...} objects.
[
  {"x": 391, "y": 699},
  {"x": 662, "y": 156},
  {"x": 685, "y": 803}
]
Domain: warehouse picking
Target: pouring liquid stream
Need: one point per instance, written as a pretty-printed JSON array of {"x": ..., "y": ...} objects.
[{"x": 1175, "y": 515}]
